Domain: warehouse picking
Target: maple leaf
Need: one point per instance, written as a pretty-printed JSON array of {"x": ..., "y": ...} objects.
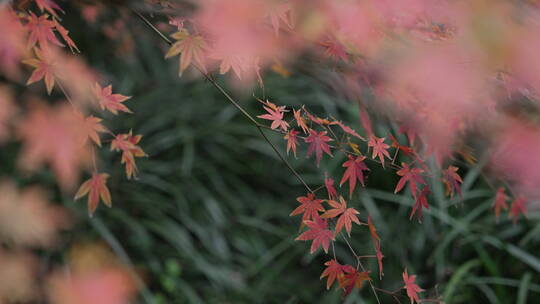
[
  {"x": 380, "y": 149},
  {"x": 500, "y": 202},
  {"x": 365, "y": 121},
  {"x": 96, "y": 188},
  {"x": 108, "y": 100},
  {"x": 300, "y": 121},
  {"x": 379, "y": 256},
  {"x": 319, "y": 233},
  {"x": 41, "y": 31},
  {"x": 92, "y": 127},
  {"x": 65, "y": 35},
  {"x": 349, "y": 130},
  {"x": 353, "y": 278},
  {"x": 190, "y": 47},
  {"x": 279, "y": 12},
  {"x": 292, "y": 140},
  {"x": 318, "y": 143},
  {"x": 452, "y": 180},
  {"x": 373, "y": 230},
  {"x": 346, "y": 215},
  {"x": 49, "y": 6},
  {"x": 333, "y": 271},
  {"x": 127, "y": 143},
  {"x": 354, "y": 172},
  {"x": 329, "y": 184},
  {"x": 43, "y": 70},
  {"x": 420, "y": 203},
  {"x": 53, "y": 136},
  {"x": 276, "y": 116},
  {"x": 309, "y": 206},
  {"x": 517, "y": 207},
  {"x": 395, "y": 144},
  {"x": 411, "y": 175},
  {"x": 411, "y": 287}
]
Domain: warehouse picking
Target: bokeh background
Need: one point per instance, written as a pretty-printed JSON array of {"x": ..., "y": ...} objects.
[{"x": 207, "y": 220}]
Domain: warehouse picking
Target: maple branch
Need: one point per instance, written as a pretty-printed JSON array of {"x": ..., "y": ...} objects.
[{"x": 233, "y": 102}]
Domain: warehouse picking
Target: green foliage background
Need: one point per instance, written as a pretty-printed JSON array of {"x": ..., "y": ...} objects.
[{"x": 207, "y": 222}]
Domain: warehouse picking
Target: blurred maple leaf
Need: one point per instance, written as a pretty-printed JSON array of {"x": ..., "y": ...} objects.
[
  {"x": 27, "y": 218},
  {"x": 41, "y": 31},
  {"x": 53, "y": 135},
  {"x": 500, "y": 202},
  {"x": 452, "y": 180}
]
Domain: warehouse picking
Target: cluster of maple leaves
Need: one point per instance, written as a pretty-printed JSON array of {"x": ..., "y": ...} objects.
[{"x": 68, "y": 124}]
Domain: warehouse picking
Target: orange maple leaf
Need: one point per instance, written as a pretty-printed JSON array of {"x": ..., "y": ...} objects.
[
  {"x": 49, "y": 6},
  {"x": 96, "y": 188},
  {"x": 292, "y": 140},
  {"x": 108, "y": 100},
  {"x": 93, "y": 126},
  {"x": 353, "y": 278},
  {"x": 346, "y": 215},
  {"x": 300, "y": 121},
  {"x": 127, "y": 143},
  {"x": 189, "y": 47},
  {"x": 452, "y": 180}
]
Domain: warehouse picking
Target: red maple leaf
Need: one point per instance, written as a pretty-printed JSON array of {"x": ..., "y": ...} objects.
[
  {"x": 292, "y": 140},
  {"x": 380, "y": 149},
  {"x": 395, "y": 144},
  {"x": 366, "y": 122},
  {"x": 49, "y": 6},
  {"x": 354, "y": 172},
  {"x": 309, "y": 206},
  {"x": 420, "y": 203},
  {"x": 108, "y": 100},
  {"x": 318, "y": 143},
  {"x": 353, "y": 278},
  {"x": 319, "y": 233},
  {"x": 500, "y": 202},
  {"x": 452, "y": 180},
  {"x": 96, "y": 188},
  {"x": 276, "y": 116},
  {"x": 411, "y": 287},
  {"x": 65, "y": 35},
  {"x": 333, "y": 271},
  {"x": 41, "y": 31},
  {"x": 348, "y": 130},
  {"x": 300, "y": 121},
  {"x": 411, "y": 175},
  {"x": 43, "y": 66},
  {"x": 346, "y": 215},
  {"x": 329, "y": 184},
  {"x": 517, "y": 207}
]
